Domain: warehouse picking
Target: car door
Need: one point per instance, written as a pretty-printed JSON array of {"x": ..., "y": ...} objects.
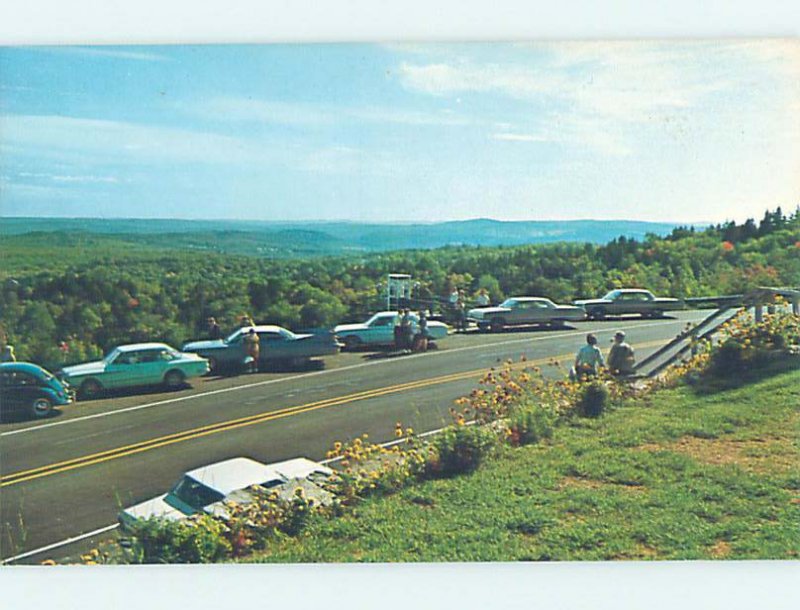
[
  {"x": 123, "y": 371},
  {"x": 538, "y": 312},
  {"x": 152, "y": 365},
  {"x": 274, "y": 346},
  {"x": 22, "y": 389},
  {"x": 11, "y": 396},
  {"x": 381, "y": 331}
]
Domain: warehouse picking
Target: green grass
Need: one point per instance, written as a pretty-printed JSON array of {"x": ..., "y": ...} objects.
[{"x": 680, "y": 475}]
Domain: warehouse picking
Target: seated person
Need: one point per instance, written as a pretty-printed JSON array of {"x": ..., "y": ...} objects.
[
  {"x": 588, "y": 360},
  {"x": 621, "y": 359}
]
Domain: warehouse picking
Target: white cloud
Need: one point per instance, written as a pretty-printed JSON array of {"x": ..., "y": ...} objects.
[{"x": 105, "y": 51}]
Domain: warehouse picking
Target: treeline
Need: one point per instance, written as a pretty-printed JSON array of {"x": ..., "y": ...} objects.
[{"x": 72, "y": 298}]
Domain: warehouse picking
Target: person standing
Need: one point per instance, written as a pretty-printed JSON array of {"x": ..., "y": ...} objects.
[
  {"x": 621, "y": 358},
  {"x": 398, "y": 330},
  {"x": 252, "y": 349},
  {"x": 214, "y": 331},
  {"x": 7, "y": 354},
  {"x": 421, "y": 338},
  {"x": 407, "y": 330},
  {"x": 482, "y": 300}
]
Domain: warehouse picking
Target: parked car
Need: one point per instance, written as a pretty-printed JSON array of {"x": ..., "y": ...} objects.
[
  {"x": 27, "y": 387},
  {"x": 379, "y": 330},
  {"x": 524, "y": 310},
  {"x": 629, "y": 301},
  {"x": 133, "y": 365},
  {"x": 276, "y": 345},
  {"x": 206, "y": 489}
]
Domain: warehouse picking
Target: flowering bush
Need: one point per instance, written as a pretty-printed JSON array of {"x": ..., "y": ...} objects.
[
  {"x": 197, "y": 540},
  {"x": 368, "y": 468},
  {"x": 530, "y": 423},
  {"x": 460, "y": 448},
  {"x": 593, "y": 399}
]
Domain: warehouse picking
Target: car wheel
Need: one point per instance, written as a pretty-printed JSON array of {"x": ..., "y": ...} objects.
[
  {"x": 352, "y": 343},
  {"x": 41, "y": 407},
  {"x": 657, "y": 313},
  {"x": 598, "y": 313},
  {"x": 484, "y": 328},
  {"x": 174, "y": 379},
  {"x": 556, "y": 324},
  {"x": 497, "y": 325},
  {"x": 90, "y": 389}
]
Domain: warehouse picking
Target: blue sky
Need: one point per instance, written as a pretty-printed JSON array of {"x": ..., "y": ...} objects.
[{"x": 667, "y": 131}]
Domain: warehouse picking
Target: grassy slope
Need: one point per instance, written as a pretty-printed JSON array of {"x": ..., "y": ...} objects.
[{"x": 681, "y": 476}]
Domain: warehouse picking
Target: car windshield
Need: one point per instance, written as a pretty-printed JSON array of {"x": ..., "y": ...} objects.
[
  {"x": 110, "y": 356},
  {"x": 612, "y": 295},
  {"x": 234, "y": 336},
  {"x": 194, "y": 493},
  {"x": 509, "y": 303},
  {"x": 381, "y": 319},
  {"x": 287, "y": 334}
]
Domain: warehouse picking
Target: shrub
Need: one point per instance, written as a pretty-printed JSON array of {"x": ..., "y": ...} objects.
[
  {"x": 593, "y": 399},
  {"x": 530, "y": 424},
  {"x": 727, "y": 359},
  {"x": 199, "y": 540},
  {"x": 460, "y": 448}
]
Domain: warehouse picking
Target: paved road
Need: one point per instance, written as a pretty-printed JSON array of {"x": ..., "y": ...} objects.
[{"x": 71, "y": 474}]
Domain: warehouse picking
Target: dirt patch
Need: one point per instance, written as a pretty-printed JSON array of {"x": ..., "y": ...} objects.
[
  {"x": 761, "y": 455},
  {"x": 720, "y": 550},
  {"x": 580, "y": 483}
]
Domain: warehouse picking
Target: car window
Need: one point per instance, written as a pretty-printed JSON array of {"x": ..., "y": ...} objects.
[
  {"x": 235, "y": 337},
  {"x": 510, "y": 303},
  {"x": 272, "y": 483},
  {"x": 20, "y": 378},
  {"x": 270, "y": 337},
  {"x": 195, "y": 494},
  {"x": 383, "y": 321},
  {"x": 128, "y": 358},
  {"x": 153, "y": 355}
]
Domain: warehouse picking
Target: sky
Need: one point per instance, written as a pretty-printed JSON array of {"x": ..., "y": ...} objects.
[{"x": 675, "y": 131}]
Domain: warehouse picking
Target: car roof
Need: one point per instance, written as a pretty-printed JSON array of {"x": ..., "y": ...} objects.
[
  {"x": 527, "y": 299},
  {"x": 629, "y": 290},
  {"x": 299, "y": 468},
  {"x": 237, "y": 473},
  {"x": 137, "y": 346},
  {"x": 263, "y": 328},
  {"x": 25, "y": 367}
]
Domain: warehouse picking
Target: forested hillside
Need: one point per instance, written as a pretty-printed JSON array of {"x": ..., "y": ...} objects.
[{"x": 66, "y": 298}]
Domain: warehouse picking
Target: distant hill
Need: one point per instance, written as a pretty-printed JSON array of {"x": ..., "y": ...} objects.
[{"x": 282, "y": 239}]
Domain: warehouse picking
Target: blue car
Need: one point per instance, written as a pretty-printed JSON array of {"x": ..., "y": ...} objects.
[{"x": 29, "y": 388}]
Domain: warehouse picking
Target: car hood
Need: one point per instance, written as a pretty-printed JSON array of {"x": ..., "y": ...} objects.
[
  {"x": 209, "y": 344},
  {"x": 483, "y": 311},
  {"x": 90, "y": 368},
  {"x": 155, "y": 507},
  {"x": 349, "y": 328}
]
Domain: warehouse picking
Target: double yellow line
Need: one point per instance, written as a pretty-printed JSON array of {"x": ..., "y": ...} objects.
[
  {"x": 179, "y": 437},
  {"x": 251, "y": 420}
]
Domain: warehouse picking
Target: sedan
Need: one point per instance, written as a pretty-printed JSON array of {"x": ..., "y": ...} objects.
[
  {"x": 206, "y": 489},
  {"x": 276, "y": 346},
  {"x": 139, "y": 364},
  {"x": 379, "y": 330},
  {"x": 524, "y": 310},
  {"x": 28, "y": 387},
  {"x": 629, "y": 301}
]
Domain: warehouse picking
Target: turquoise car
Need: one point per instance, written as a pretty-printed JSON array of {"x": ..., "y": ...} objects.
[{"x": 134, "y": 365}]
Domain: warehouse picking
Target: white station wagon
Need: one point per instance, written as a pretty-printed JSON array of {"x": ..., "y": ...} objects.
[{"x": 206, "y": 489}]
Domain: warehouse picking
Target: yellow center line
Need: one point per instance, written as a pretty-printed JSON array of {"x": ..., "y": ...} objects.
[{"x": 195, "y": 433}]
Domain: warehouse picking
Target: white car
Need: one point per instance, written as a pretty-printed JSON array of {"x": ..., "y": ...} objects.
[
  {"x": 379, "y": 330},
  {"x": 525, "y": 310},
  {"x": 206, "y": 489}
]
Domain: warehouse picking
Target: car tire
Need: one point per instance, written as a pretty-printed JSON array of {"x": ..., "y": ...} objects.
[
  {"x": 174, "y": 380},
  {"x": 657, "y": 313},
  {"x": 89, "y": 389},
  {"x": 497, "y": 325},
  {"x": 352, "y": 343},
  {"x": 41, "y": 407},
  {"x": 484, "y": 328},
  {"x": 598, "y": 313}
]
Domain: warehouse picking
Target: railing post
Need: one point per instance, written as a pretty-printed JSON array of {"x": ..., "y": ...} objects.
[
  {"x": 796, "y": 305},
  {"x": 759, "y": 309}
]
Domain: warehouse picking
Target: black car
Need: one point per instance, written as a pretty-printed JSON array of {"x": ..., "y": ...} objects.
[{"x": 29, "y": 388}]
